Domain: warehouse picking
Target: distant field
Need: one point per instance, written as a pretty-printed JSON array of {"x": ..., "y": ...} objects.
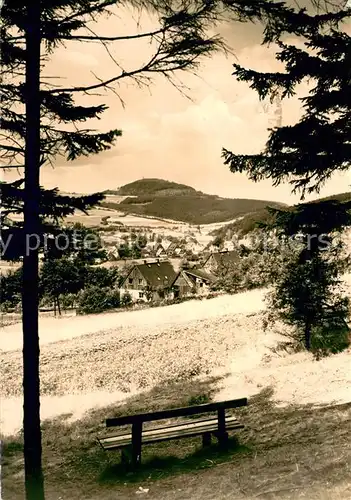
[
  {"x": 136, "y": 220},
  {"x": 92, "y": 219},
  {"x": 116, "y": 198},
  {"x": 117, "y": 216}
]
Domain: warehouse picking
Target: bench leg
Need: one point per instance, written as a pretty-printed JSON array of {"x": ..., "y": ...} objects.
[
  {"x": 136, "y": 444},
  {"x": 206, "y": 439},
  {"x": 136, "y": 458},
  {"x": 223, "y": 438},
  {"x": 222, "y": 434}
]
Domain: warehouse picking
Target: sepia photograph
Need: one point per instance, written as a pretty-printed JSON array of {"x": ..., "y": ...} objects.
[{"x": 175, "y": 250}]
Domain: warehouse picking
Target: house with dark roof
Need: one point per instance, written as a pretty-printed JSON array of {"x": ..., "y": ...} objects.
[
  {"x": 149, "y": 280},
  {"x": 220, "y": 262},
  {"x": 192, "y": 281},
  {"x": 112, "y": 253},
  {"x": 175, "y": 249},
  {"x": 160, "y": 252}
]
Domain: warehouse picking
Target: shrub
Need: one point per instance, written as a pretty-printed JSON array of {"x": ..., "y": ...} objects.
[
  {"x": 68, "y": 300},
  {"x": 6, "y": 306},
  {"x": 46, "y": 301},
  {"x": 126, "y": 299},
  {"x": 331, "y": 337},
  {"x": 95, "y": 300},
  {"x": 201, "y": 399},
  {"x": 11, "y": 287}
]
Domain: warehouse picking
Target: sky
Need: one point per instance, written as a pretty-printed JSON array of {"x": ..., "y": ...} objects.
[{"x": 166, "y": 135}]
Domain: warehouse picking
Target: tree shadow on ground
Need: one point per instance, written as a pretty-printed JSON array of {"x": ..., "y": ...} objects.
[{"x": 163, "y": 463}]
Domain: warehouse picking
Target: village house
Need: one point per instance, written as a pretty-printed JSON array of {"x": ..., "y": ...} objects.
[
  {"x": 112, "y": 253},
  {"x": 145, "y": 253},
  {"x": 149, "y": 280},
  {"x": 221, "y": 261},
  {"x": 160, "y": 252},
  {"x": 192, "y": 281},
  {"x": 230, "y": 245},
  {"x": 175, "y": 250}
]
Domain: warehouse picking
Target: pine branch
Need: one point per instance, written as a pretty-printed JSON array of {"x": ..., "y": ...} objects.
[
  {"x": 100, "y": 38},
  {"x": 308, "y": 153}
]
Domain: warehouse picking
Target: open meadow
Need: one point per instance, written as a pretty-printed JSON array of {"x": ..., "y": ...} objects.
[{"x": 297, "y": 422}]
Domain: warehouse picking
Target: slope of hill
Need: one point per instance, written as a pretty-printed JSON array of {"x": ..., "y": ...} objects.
[
  {"x": 250, "y": 221},
  {"x": 164, "y": 199},
  {"x": 341, "y": 197},
  {"x": 296, "y": 438}
]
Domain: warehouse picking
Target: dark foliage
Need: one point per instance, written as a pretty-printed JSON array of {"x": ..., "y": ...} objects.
[
  {"x": 10, "y": 288},
  {"x": 95, "y": 299},
  {"x": 308, "y": 153}
]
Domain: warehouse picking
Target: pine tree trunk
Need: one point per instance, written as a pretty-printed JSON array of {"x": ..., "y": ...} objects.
[
  {"x": 308, "y": 336},
  {"x": 58, "y": 305},
  {"x": 34, "y": 482}
]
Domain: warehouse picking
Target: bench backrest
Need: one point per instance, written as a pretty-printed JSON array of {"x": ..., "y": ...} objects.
[{"x": 175, "y": 412}]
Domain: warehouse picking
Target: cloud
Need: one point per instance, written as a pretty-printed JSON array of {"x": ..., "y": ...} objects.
[{"x": 79, "y": 58}]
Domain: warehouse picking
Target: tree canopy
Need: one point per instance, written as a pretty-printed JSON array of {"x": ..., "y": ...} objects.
[
  {"x": 306, "y": 292},
  {"x": 307, "y": 153}
]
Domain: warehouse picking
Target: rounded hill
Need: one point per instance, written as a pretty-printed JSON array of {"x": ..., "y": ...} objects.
[
  {"x": 156, "y": 187},
  {"x": 169, "y": 200}
]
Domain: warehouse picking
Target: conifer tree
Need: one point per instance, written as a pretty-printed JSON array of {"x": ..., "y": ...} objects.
[
  {"x": 306, "y": 155},
  {"x": 318, "y": 145},
  {"x": 308, "y": 292}
]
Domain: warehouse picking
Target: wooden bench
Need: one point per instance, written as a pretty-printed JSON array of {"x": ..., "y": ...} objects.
[{"x": 212, "y": 425}]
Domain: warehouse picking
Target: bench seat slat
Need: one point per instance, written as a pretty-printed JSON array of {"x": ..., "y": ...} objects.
[
  {"x": 170, "y": 432},
  {"x": 173, "y": 428},
  {"x": 180, "y": 424},
  {"x": 164, "y": 437}
]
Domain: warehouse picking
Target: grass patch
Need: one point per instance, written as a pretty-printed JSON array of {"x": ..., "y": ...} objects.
[
  {"x": 284, "y": 452},
  {"x": 200, "y": 399},
  {"x": 166, "y": 460}
]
